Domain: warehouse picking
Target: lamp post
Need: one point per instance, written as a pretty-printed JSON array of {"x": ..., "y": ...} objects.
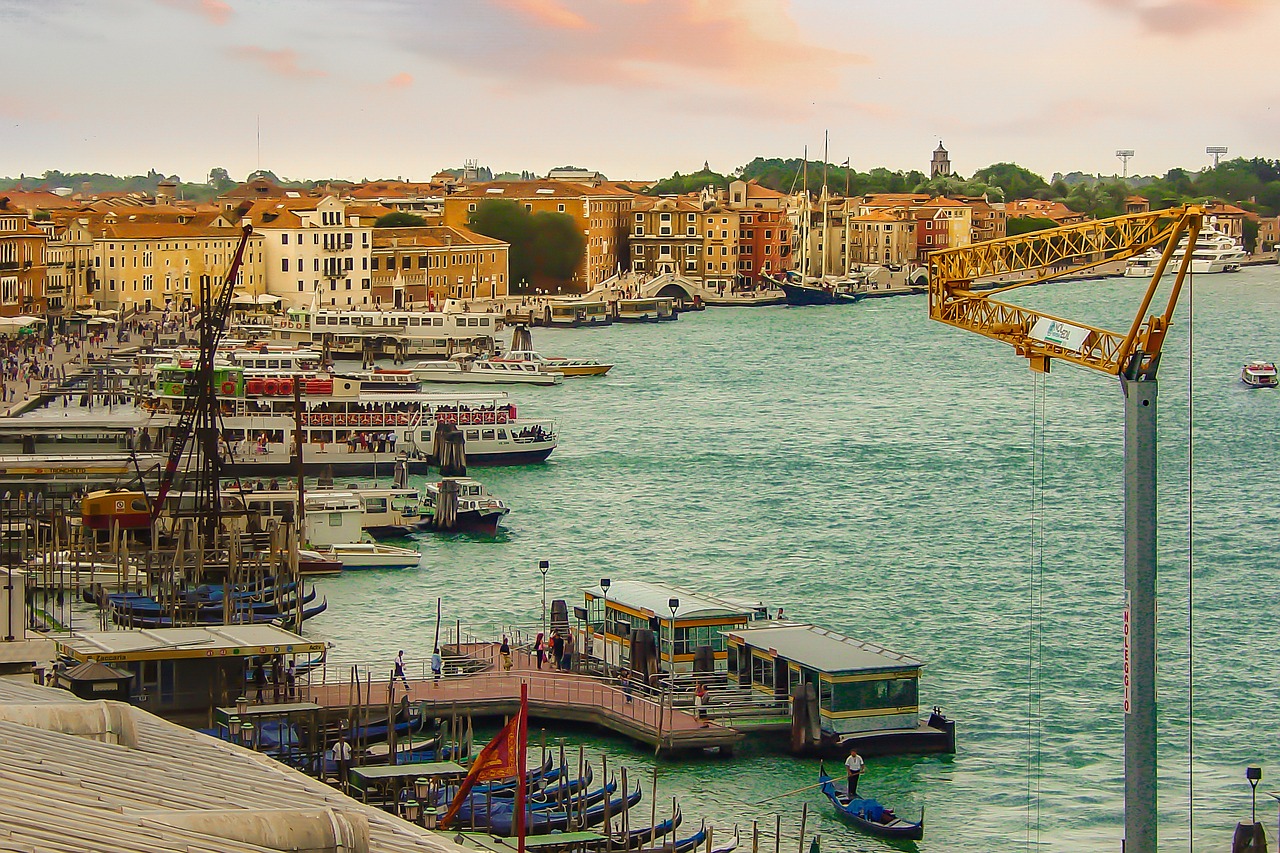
[
  {"x": 674, "y": 605},
  {"x": 1254, "y": 774},
  {"x": 605, "y": 583},
  {"x": 233, "y": 727},
  {"x": 544, "y": 566}
]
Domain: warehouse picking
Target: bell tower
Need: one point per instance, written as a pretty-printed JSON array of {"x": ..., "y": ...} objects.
[{"x": 941, "y": 162}]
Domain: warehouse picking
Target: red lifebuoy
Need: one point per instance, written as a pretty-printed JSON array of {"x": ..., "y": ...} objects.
[
  {"x": 327, "y": 420},
  {"x": 253, "y": 386},
  {"x": 502, "y": 417},
  {"x": 286, "y": 386},
  {"x": 270, "y": 386},
  {"x": 404, "y": 420},
  {"x": 490, "y": 417},
  {"x": 377, "y": 420},
  {"x": 228, "y": 388}
]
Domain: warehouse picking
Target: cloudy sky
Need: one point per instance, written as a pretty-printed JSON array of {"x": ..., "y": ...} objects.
[{"x": 634, "y": 88}]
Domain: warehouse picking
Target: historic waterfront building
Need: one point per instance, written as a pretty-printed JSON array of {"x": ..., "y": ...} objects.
[
  {"x": 22, "y": 265},
  {"x": 417, "y": 267},
  {"x": 940, "y": 165},
  {"x": 603, "y": 213}
]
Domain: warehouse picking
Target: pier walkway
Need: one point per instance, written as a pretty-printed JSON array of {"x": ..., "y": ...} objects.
[{"x": 552, "y": 695}]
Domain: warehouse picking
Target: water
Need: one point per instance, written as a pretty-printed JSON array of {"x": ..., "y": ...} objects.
[{"x": 872, "y": 471}]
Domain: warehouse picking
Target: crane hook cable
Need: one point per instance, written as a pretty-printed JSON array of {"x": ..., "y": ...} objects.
[
  {"x": 1191, "y": 557},
  {"x": 1035, "y": 594}
]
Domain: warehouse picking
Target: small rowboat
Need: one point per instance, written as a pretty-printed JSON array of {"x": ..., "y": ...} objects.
[{"x": 869, "y": 816}]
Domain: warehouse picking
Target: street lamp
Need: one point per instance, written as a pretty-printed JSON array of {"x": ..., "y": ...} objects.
[
  {"x": 605, "y": 583},
  {"x": 1254, "y": 774},
  {"x": 674, "y": 605},
  {"x": 544, "y": 566}
]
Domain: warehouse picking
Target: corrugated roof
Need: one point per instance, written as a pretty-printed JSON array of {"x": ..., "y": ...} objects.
[
  {"x": 822, "y": 649},
  {"x": 202, "y": 641},
  {"x": 654, "y": 597},
  {"x": 173, "y": 791}
]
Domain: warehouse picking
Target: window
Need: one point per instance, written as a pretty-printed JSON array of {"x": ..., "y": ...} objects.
[
  {"x": 560, "y": 208},
  {"x": 284, "y": 239},
  {"x": 284, "y": 265}
]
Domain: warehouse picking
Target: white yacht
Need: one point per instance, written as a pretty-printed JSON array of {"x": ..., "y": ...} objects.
[
  {"x": 1214, "y": 252},
  {"x": 465, "y": 369}
]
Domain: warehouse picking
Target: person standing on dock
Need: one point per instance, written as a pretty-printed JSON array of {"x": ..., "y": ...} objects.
[
  {"x": 291, "y": 680},
  {"x": 568, "y": 653},
  {"x": 398, "y": 671},
  {"x": 259, "y": 679},
  {"x": 854, "y": 765},
  {"x": 557, "y": 650},
  {"x": 505, "y": 651},
  {"x": 700, "y": 705},
  {"x": 540, "y": 649},
  {"x": 437, "y": 666}
]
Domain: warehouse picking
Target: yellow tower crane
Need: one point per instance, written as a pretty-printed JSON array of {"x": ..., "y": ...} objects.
[{"x": 1133, "y": 357}]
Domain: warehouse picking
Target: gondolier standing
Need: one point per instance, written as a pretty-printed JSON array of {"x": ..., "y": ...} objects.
[{"x": 854, "y": 765}]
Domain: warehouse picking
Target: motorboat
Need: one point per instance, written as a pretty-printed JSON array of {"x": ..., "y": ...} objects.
[
  {"x": 1214, "y": 252},
  {"x": 370, "y": 555},
  {"x": 1260, "y": 374},
  {"x": 476, "y": 511},
  {"x": 467, "y": 369},
  {"x": 565, "y": 366}
]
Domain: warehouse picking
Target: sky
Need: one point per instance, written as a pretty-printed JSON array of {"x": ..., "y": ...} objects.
[{"x": 637, "y": 89}]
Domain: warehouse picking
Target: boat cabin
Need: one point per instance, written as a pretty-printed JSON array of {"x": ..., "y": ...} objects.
[
  {"x": 689, "y": 637},
  {"x": 332, "y": 517},
  {"x": 572, "y": 313},
  {"x": 186, "y": 670},
  {"x": 861, "y": 687}
]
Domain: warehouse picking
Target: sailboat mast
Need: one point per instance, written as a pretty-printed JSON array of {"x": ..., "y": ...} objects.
[
  {"x": 804, "y": 221},
  {"x": 826, "y": 220}
]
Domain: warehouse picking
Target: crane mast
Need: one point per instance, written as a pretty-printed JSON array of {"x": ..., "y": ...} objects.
[
  {"x": 1133, "y": 356},
  {"x": 200, "y": 413}
]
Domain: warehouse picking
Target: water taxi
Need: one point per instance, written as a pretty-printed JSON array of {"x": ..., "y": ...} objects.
[
  {"x": 573, "y": 313},
  {"x": 476, "y": 510},
  {"x": 470, "y": 370},
  {"x": 565, "y": 366},
  {"x": 1259, "y": 374}
]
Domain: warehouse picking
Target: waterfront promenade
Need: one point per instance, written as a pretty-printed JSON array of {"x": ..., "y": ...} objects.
[{"x": 553, "y": 695}]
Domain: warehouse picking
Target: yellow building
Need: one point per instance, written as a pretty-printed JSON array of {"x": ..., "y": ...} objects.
[
  {"x": 414, "y": 267},
  {"x": 602, "y": 212},
  {"x": 150, "y": 265},
  {"x": 882, "y": 237}
]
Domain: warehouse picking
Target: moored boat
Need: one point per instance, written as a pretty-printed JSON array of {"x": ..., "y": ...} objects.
[
  {"x": 1259, "y": 374},
  {"x": 470, "y": 370},
  {"x": 869, "y": 815},
  {"x": 475, "y": 510},
  {"x": 821, "y": 291},
  {"x": 370, "y": 555},
  {"x": 1213, "y": 252},
  {"x": 566, "y": 366}
]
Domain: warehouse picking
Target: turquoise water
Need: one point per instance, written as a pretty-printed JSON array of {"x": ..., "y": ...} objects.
[{"x": 872, "y": 471}]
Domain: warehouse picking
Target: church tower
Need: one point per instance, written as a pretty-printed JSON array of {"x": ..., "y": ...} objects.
[{"x": 941, "y": 163}]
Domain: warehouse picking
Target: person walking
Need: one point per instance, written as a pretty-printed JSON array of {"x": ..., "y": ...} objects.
[
  {"x": 505, "y": 651},
  {"x": 854, "y": 765},
  {"x": 398, "y": 671},
  {"x": 539, "y": 649},
  {"x": 342, "y": 755},
  {"x": 625, "y": 678},
  {"x": 437, "y": 667}
]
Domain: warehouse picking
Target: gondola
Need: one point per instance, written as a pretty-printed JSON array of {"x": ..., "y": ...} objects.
[
  {"x": 478, "y": 806},
  {"x": 544, "y": 822},
  {"x": 869, "y": 816},
  {"x": 127, "y": 619},
  {"x": 637, "y": 838}
]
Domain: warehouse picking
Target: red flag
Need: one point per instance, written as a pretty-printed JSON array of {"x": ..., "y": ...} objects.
[{"x": 501, "y": 758}]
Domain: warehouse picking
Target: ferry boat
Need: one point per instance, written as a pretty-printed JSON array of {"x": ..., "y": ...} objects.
[
  {"x": 468, "y": 370},
  {"x": 347, "y": 333},
  {"x": 565, "y": 366},
  {"x": 1214, "y": 252},
  {"x": 1259, "y": 374},
  {"x": 654, "y": 310},
  {"x": 351, "y": 424},
  {"x": 573, "y": 313},
  {"x": 477, "y": 510}
]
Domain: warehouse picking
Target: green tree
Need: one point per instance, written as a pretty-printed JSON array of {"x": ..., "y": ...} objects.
[
  {"x": 1016, "y": 181},
  {"x": 399, "y": 219},
  {"x": 558, "y": 245},
  {"x": 545, "y": 247}
]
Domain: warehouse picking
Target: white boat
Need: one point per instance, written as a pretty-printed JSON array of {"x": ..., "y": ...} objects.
[
  {"x": 352, "y": 424},
  {"x": 1214, "y": 252},
  {"x": 370, "y": 555},
  {"x": 1260, "y": 374},
  {"x": 476, "y": 511},
  {"x": 566, "y": 366},
  {"x": 369, "y": 333},
  {"x": 463, "y": 369}
]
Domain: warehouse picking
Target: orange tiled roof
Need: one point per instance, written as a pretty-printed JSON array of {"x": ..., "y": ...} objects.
[
  {"x": 431, "y": 236},
  {"x": 537, "y": 189}
]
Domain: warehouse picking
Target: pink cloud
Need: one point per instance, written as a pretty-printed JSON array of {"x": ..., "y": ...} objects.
[
  {"x": 547, "y": 13},
  {"x": 1186, "y": 17},
  {"x": 216, "y": 11},
  {"x": 403, "y": 80},
  {"x": 689, "y": 47},
  {"x": 283, "y": 62}
]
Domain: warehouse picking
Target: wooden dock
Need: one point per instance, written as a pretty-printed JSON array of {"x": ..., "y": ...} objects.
[{"x": 553, "y": 695}]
